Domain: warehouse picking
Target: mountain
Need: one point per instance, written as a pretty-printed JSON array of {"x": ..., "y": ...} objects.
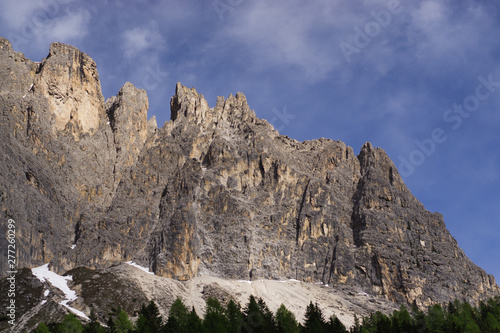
[{"x": 215, "y": 192}]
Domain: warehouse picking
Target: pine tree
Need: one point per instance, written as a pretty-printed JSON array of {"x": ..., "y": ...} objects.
[
  {"x": 357, "y": 325},
  {"x": 70, "y": 325},
  {"x": 194, "y": 322},
  {"x": 419, "y": 320},
  {"x": 93, "y": 326},
  {"x": 234, "y": 317},
  {"x": 178, "y": 317},
  {"x": 382, "y": 322},
  {"x": 215, "y": 319},
  {"x": 123, "y": 323},
  {"x": 336, "y": 326},
  {"x": 253, "y": 320},
  {"x": 269, "y": 325},
  {"x": 42, "y": 328},
  {"x": 286, "y": 321},
  {"x": 491, "y": 324},
  {"x": 471, "y": 319},
  {"x": 435, "y": 319},
  {"x": 401, "y": 320},
  {"x": 171, "y": 326},
  {"x": 149, "y": 320},
  {"x": 142, "y": 325},
  {"x": 314, "y": 321},
  {"x": 110, "y": 323}
]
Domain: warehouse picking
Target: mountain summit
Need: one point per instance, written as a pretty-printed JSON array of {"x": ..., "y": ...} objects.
[{"x": 214, "y": 192}]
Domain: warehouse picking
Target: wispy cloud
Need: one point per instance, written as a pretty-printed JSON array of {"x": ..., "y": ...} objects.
[
  {"x": 72, "y": 26},
  {"x": 139, "y": 40},
  {"x": 15, "y": 14},
  {"x": 273, "y": 37},
  {"x": 42, "y": 22}
]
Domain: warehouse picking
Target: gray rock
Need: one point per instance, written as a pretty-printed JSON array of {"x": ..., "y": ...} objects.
[{"x": 215, "y": 191}]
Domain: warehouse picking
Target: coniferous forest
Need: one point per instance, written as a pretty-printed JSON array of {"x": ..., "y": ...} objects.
[{"x": 455, "y": 317}]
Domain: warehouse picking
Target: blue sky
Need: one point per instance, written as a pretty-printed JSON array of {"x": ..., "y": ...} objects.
[{"x": 416, "y": 78}]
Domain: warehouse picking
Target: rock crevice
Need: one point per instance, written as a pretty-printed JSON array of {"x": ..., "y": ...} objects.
[{"x": 215, "y": 191}]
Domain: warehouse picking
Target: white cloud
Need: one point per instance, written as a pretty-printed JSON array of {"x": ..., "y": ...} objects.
[
  {"x": 284, "y": 34},
  {"x": 21, "y": 15},
  {"x": 43, "y": 22},
  {"x": 70, "y": 27},
  {"x": 444, "y": 32},
  {"x": 430, "y": 15},
  {"x": 139, "y": 40},
  {"x": 16, "y": 13}
]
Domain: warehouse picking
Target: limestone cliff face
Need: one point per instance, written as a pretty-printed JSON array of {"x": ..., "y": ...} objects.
[
  {"x": 69, "y": 80},
  {"x": 215, "y": 191},
  {"x": 62, "y": 152}
]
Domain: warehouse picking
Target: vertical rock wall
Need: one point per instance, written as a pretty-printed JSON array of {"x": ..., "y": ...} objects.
[{"x": 215, "y": 191}]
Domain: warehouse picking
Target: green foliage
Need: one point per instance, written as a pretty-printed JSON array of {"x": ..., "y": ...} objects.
[
  {"x": 356, "y": 328},
  {"x": 456, "y": 317},
  {"x": 253, "y": 318},
  {"x": 336, "y": 326},
  {"x": 435, "y": 319},
  {"x": 215, "y": 319},
  {"x": 93, "y": 326},
  {"x": 286, "y": 321},
  {"x": 149, "y": 320},
  {"x": 314, "y": 322},
  {"x": 123, "y": 323},
  {"x": 269, "y": 320},
  {"x": 194, "y": 323},
  {"x": 142, "y": 325},
  {"x": 178, "y": 317},
  {"x": 70, "y": 325},
  {"x": 401, "y": 320},
  {"x": 234, "y": 317},
  {"x": 42, "y": 328}
]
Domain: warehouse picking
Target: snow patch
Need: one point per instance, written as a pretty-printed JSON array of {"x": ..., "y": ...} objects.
[
  {"x": 144, "y": 269},
  {"x": 46, "y": 293},
  {"x": 244, "y": 281},
  {"x": 61, "y": 282},
  {"x": 293, "y": 280},
  {"x": 73, "y": 246}
]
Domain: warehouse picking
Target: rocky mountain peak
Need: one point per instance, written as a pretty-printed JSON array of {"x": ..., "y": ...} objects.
[
  {"x": 5, "y": 44},
  {"x": 214, "y": 192},
  {"x": 188, "y": 104},
  {"x": 70, "y": 81},
  {"x": 192, "y": 107}
]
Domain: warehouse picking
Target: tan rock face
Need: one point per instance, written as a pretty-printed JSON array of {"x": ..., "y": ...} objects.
[
  {"x": 215, "y": 191},
  {"x": 127, "y": 113},
  {"x": 69, "y": 80}
]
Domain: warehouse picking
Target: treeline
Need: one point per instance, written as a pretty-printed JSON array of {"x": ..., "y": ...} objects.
[{"x": 456, "y": 317}]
